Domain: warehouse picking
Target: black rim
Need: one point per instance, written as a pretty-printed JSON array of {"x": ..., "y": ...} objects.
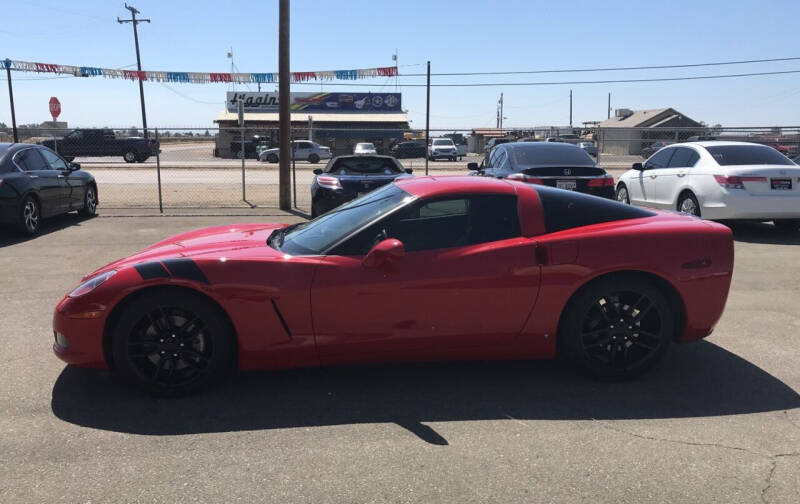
[
  {"x": 170, "y": 347},
  {"x": 621, "y": 330}
]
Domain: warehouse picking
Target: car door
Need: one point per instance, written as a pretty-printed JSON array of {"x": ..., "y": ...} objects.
[
  {"x": 70, "y": 145},
  {"x": 671, "y": 178},
  {"x": 467, "y": 280},
  {"x": 49, "y": 184},
  {"x": 642, "y": 190},
  {"x": 75, "y": 189},
  {"x": 302, "y": 150}
]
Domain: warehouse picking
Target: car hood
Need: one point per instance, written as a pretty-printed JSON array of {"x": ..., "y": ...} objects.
[{"x": 210, "y": 240}]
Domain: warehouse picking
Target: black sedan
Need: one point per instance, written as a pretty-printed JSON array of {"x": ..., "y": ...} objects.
[
  {"x": 348, "y": 177},
  {"x": 408, "y": 150},
  {"x": 36, "y": 183},
  {"x": 555, "y": 164}
]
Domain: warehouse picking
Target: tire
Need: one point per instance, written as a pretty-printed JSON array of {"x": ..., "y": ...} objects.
[
  {"x": 89, "y": 202},
  {"x": 313, "y": 158},
  {"x": 172, "y": 343},
  {"x": 622, "y": 194},
  {"x": 272, "y": 158},
  {"x": 687, "y": 203},
  {"x": 142, "y": 158},
  {"x": 590, "y": 337},
  {"x": 129, "y": 156},
  {"x": 314, "y": 212},
  {"x": 30, "y": 216},
  {"x": 787, "y": 225}
]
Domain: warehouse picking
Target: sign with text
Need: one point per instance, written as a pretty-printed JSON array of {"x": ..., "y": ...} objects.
[{"x": 316, "y": 102}]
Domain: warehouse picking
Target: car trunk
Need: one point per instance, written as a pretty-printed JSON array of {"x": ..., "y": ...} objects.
[
  {"x": 363, "y": 182},
  {"x": 769, "y": 180},
  {"x": 585, "y": 179}
]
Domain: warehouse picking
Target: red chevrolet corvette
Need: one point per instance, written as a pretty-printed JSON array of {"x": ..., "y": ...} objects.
[{"x": 420, "y": 269}]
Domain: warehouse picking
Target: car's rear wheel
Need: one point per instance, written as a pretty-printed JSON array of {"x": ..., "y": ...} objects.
[
  {"x": 172, "y": 344},
  {"x": 622, "y": 194},
  {"x": 272, "y": 158},
  {"x": 89, "y": 203},
  {"x": 30, "y": 216},
  {"x": 129, "y": 156},
  {"x": 688, "y": 204},
  {"x": 313, "y": 158},
  {"x": 787, "y": 225},
  {"x": 618, "y": 327}
]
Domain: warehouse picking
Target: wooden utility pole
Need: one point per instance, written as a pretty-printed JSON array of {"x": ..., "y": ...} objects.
[
  {"x": 11, "y": 100},
  {"x": 135, "y": 22},
  {"x": 285, "y": 125},
  {"x": 570, "y": 108}
]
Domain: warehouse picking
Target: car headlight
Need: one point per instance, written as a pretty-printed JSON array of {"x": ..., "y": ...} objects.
[{"x": 91, "y": 284}]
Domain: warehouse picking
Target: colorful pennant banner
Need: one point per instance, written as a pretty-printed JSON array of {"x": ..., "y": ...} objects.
[{"x": 195, "y": 77}]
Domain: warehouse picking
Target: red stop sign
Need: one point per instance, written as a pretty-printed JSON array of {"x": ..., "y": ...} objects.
[{"x": 55, "y": 108}]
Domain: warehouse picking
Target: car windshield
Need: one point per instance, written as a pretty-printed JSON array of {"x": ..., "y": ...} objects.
[
  {"x": 318, "y": 235},
  {"x": 365, "y": 146},
  {"x": 550, "y": 154},
  {"x": 443, "y": 142},
  {"x": 728, "y": 155},
  {"x": 364, "y": 164}
]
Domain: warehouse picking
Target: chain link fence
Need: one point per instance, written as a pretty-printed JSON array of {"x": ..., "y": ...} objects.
[{"x": 183, "y": 168}]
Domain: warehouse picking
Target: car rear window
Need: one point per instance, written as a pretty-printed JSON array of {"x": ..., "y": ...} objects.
[
  {"x": 365, "y": 165},
  {"x": 727, "y": 155},
  {"x": 549, "y": 153},
  {"x": 568, "y": 209}
]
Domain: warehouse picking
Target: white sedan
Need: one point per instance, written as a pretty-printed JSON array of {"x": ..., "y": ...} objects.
[
  {"x": 301, "y": 149},
  {"x": 364, "y": 149},
  {"x": 717, "y": 180}
]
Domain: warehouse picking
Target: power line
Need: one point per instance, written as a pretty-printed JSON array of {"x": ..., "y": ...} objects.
[
  {"x": 561, "y": 83},
  {"x": 218, "y": 102},
  {"x": 609, "y": 69}
]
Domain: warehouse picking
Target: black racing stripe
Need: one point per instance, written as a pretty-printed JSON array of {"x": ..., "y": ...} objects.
[
  {"x": 151, "y": 270},
  {"x": 185, "y": 268}
]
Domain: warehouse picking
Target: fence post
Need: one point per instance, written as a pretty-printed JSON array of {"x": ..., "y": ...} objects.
[
  {"x": 158, "y": 173},
  {"x": 243, "y": 153},
  {"x": 294, "y": 172}
]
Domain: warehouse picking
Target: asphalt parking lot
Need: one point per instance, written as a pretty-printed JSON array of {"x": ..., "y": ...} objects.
[{"x": 719, "y": 421}]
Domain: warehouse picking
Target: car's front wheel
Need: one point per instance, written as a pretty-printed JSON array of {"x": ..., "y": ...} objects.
[
  {"x": 622, "y": 194},
  {"x": 89, "y": 203},
  {"x": 617, "y": 327},
  {"x": 172, "y": 343}
]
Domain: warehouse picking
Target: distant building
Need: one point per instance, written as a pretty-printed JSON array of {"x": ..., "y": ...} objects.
[{"x": 624, "y": 133}]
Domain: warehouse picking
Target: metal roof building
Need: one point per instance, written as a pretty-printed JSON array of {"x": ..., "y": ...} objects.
[{"x": 631, "y": 130}]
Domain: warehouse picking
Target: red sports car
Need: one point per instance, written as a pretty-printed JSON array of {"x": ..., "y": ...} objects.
[{"x": 420, "y": 269}]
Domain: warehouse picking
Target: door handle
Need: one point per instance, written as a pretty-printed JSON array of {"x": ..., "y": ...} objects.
[
  {"x": 60, "y": 176},
  {"x": 33, "y": 176},
  {"x": 681, "y": 174},
  {"x": 653, "y": 176}
]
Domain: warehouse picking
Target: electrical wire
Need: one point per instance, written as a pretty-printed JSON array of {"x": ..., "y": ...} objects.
[
  {"x": 608, "y": 69},
  {"x": 189, "y": 97}
]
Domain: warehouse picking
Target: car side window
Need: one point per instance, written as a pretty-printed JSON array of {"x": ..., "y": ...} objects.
[
  {"x": 500, "y": 159},
  {"x": 303, "y": 145},
  {"x": 52, "y": 159},
  {"x": 30, "y": 160},
  {"x": 683, "y": 157},
  {"x": 659, "y": 160},
  {"x": 443, "y": 223},
  {"x": 75, "y": 135}
]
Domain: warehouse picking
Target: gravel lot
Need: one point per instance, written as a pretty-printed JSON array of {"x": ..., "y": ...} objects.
[{"x": 718, "y": 422}]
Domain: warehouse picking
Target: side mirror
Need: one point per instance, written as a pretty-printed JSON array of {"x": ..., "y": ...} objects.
[
  {"x": 409, "y": 170},
  {"x": 472, "y": 166},
  {"x": 317, "y": 171},
  {"x": 384, "y": 252},
  {"x": 637, "y": 166},
  {"x": 74, "y": 166}
]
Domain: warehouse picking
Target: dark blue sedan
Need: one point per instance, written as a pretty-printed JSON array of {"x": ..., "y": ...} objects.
[{"x": 348, "y": 177}]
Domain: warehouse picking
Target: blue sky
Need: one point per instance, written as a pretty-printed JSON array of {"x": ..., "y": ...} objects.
[{"x": 454, "y": 36}]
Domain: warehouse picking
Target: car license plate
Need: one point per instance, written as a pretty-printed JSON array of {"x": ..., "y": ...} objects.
[
  {"x": 783, "y": 184},
  {"x": 569, "y": 185}
]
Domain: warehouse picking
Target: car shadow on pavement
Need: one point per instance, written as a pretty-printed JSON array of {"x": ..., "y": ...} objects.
[
  {"x": 760, "y": 232},
  {"x": 696, "y": 380},
  {"x": 10, "y": 236}
]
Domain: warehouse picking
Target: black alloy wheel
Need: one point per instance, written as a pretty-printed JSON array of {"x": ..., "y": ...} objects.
[
  {"x": 89, "y": 202},
  {"x": 618, "y": 328},
  {"x": 172, "y": 345},
  {"x": 30, "y": 216}
]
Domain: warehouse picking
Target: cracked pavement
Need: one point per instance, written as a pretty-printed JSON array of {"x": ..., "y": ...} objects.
[{"x": 719, "y": 421}]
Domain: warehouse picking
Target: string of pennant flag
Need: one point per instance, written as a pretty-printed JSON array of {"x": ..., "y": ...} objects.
[{"x": 194, "y": 77}]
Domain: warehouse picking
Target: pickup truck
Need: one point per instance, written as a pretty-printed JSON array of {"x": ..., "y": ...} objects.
[{"x": 102, "y": 142}]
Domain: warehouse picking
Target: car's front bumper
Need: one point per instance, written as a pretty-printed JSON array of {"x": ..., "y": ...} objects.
[{"x": 78, "y": 333}]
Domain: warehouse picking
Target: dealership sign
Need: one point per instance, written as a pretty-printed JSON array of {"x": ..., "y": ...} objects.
[{"x": 316, "y": 102}]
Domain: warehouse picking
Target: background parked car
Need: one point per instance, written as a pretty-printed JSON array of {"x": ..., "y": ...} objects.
[
  {"x": 494, "y": 142},
  {"x": 301, "y": 149},
  {"x": 348, "y": 177},
  {"x": 408, "y": 150},
  {"x": 36, "y": 183},
  {"x": 589, "y": 147},
  {"x": 102, "y": 142},
  {"x": 364, "y": 148},
  {"x": 555, "y": 164},
  {"x": 717, "y": 180},
  {"x": 652, "y": 148},
  {"x": 442, "y": 148}
]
